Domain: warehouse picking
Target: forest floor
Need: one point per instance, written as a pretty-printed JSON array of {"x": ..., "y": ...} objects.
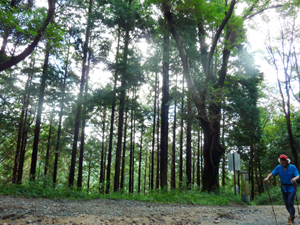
[{"x": 21, "y": 210}]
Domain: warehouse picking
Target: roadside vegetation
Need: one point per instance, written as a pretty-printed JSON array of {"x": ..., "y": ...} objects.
[{"x": 225, "y": 196}]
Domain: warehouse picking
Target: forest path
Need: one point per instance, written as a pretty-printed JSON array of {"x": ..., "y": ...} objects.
[{"x": 20, "y": 210}]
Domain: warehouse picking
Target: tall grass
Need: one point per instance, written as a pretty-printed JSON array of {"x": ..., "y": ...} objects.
[
  {"x": 275, "y": 194},
  {"x": 194, "y": 196}
]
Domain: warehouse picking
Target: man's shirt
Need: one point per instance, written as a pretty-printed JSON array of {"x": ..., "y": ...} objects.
[{"x": 286, "y": 176}]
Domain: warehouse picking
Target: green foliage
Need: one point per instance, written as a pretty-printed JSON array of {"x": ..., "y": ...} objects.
[
  {"x": 194, "y": 197},
  {"x": 276, "y": 197}
]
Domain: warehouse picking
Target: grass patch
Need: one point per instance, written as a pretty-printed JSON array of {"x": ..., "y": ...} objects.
[
  {"x": 276, "y": 197},
  {"x": 33, "y": 190}
]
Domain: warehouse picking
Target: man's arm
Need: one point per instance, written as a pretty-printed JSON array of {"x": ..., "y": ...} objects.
[
  {"x": 268, "y": 177},
  {"x": 294, "y": 180}
]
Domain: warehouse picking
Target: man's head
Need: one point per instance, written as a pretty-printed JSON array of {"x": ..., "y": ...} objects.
[{"x": 284, "y": 160}]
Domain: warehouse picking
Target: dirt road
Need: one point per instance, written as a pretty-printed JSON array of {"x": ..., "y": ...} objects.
[{"x": 20, "y": 210}]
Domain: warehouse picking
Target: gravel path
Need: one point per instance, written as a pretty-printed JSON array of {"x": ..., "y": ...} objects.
[{"x": 19, "y": 210}]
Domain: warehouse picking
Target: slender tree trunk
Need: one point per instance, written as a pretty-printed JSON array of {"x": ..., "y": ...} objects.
[
  {"x": 79, "y": 100},
  {"x": 223, "y": 144},
  {"x": 140, "y": 160},
  {"x": 24, "y": 136},
  {"x": 189, "y": 146},
  {"x": 193, "y": 167},
  {"x": 158, "y": 147},
  {"x": 181, "y": 139},
  {"x": 89, "y": 176},
  {"x": 112, "y": 117},
  {"x": 251, "y": 171},
  {"x": 146, "y": 167},
  {"x": 121, "y": 114},
  {"x": 48, "y": 144},
  {"x": 82, "y": 137},
  {"x": 201, "y": 157},
  {"x": 153, "y": 134},
  {"x": 102, "y": 175},
  {"x": 39, "y": 116},
  {"x": 173, "y": 172},
  {"x": 131, "y": 150},
  {"x": 124, "y": 152},
  {"x": 105, "y": 164},
  {"x": 57, "y": 148},
  {"x": 198, "y": 158},
  {"x": 22, "y": 124},
  {"x": 120, "y": 133}
]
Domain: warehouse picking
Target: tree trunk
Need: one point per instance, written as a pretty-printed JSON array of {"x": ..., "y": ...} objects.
[
  {"x": 102, "y": 175},
  {"x": 131, "y": 150},
  {"x": 124, "y": 152},
  {"x": 181, "y": 139},
  {"x": 251, "y": 179},
  {"x": 121, "y": 114},
  {"x": 165, "y": 112},
  {"x": 79, "y": 100},
  {"x": 173, "y": 172},
  {"x": 189, "y": 146},
  {"x": 146, "y": 167},
  {"x": 82, "y": 137},
  {"x": 140, "y": 160},
  {"x": 24, "y": 137},
  {"x": 48, "y": 144},
  {"x": 193, "y": 167},
  {"x": 89, "y": 176},
  {"x": 157, "y": 184},
  {"x": 57, "y": 148},
  {"x": 153, "y": 134},
  {"x": 21, "y": 125},
  {"x": 112, "y": 117},
  {"x": 198, "y": 159},
  {"x": 39, "y": 117},
  {"x": 120, "y": 133}
]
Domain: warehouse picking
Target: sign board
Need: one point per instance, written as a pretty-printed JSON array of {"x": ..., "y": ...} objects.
[{"x": 237, "y": 165}]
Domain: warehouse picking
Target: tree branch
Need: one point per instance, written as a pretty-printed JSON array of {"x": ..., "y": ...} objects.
[
  {"x": 216, "y": 38},
  {"x": 247, "y": 16},
  {"x": 16, "y": 59}
]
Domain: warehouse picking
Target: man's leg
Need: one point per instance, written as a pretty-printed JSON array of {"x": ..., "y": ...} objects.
[
  {"x": 290, "y": 204},
  {"x": 287, "y": 198}
]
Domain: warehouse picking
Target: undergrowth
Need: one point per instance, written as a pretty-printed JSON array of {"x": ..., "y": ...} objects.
[
  {"x": 275, "y": 194},
  {"x": 194, "y": 196}
]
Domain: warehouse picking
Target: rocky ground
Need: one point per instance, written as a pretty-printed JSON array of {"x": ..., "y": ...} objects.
[{"x": 20, "y": 210}]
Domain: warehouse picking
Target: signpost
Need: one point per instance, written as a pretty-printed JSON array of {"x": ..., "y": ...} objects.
[{"x": 234, "y": 164}]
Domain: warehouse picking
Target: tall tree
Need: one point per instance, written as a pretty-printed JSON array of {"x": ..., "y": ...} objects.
[
  {"x": 80, "y": 96},
  {"x": 45, "y": 75},
  {"x": 188, "y": 164},
  {"x": 165, "y": 112},
  {"x": 283, "y": 56},
  {"x": 207, "y": 96},
  {"x": 58, "y": 138},
  {"x": 153, "y": 134},
  {"x": 173, "y": 172}
]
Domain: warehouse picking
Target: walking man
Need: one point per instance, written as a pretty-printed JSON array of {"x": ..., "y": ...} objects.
[{"x": 289, "y": 175}]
